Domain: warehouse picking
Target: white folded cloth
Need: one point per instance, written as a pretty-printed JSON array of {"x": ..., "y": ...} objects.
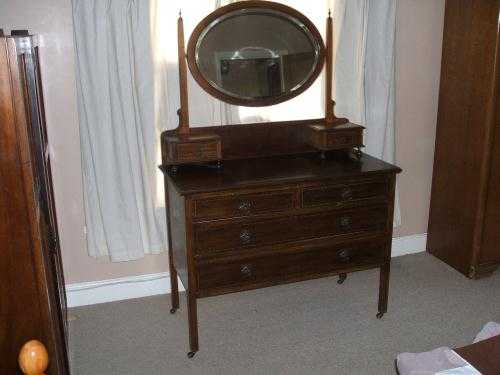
[
  {"x": 489, "y": 330},
  {"x": 442, "y": 361},
  {"x": 431, "y": 363}
]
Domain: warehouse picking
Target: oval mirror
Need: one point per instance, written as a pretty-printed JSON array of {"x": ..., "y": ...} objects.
[{"x": 255, "y": 53}]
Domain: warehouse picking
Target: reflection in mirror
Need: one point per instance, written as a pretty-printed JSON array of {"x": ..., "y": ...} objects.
[{"x": 253, "y": 54}]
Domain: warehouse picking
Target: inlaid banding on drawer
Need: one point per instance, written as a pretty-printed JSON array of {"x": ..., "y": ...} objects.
[
  {"x": 267, "y": 268},
  {"x": 341, "y": 194},
  {"x": 238, "y": 205},
  {"x": 213, "y": 237}
]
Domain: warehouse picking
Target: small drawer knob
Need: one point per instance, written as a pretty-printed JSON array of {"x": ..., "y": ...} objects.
[
  {"x": 245, "y": 236},
  {"x": 346, "y": 194},
  {"x": 246, "y": 270},
  {"x": 244, "y": 205},
  {"x": 344, "y": 255},
  {"x": 345, "y": 222}
]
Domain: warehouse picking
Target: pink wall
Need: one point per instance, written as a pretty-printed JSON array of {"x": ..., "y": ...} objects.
[
  {"x": 418, "y": 53},
  {"x": 418, "y": 66}
]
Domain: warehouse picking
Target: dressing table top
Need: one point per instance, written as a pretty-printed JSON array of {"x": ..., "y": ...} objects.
[{"x": 273, "y": 170}]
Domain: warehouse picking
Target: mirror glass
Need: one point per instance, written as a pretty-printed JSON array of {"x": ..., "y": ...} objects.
[{"x": 257, "y": 56}]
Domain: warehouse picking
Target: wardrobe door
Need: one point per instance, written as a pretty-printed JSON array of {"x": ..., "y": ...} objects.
[
  {"x": 490, "y": 251},
  {"x": 44, "y": 199},
  {"x": 463, "y": 137}
]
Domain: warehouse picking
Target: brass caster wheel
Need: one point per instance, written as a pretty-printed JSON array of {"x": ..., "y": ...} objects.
[
  {"x": 191, "y": 354},
  {"x": 380, "y": 315},
  {"x": 173, "y": 310},
  {"x": 342, "y": 278}
]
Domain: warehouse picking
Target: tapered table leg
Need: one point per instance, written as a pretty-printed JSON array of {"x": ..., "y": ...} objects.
[
  {"x": 383, "y": 295},
  {"x": 193, "y": 324},
  {"x": 174, "y": 293}
]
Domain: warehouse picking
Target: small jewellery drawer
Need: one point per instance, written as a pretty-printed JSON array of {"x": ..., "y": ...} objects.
[
  {"x": 340, "y": 194},
  {"x": 198, "y": 150},
  {"x": 269, "y": 268},
  {"x": 244, "y": 204},
  {"x": 213, "y": 237}
]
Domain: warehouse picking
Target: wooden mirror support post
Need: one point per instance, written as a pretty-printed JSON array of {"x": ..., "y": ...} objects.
[
  {"x": 335, "y": 133},
  {"x": 184, "y": 147}
]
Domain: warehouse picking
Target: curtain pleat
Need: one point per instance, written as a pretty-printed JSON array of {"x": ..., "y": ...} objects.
[
  {"x": 119, "y": 135},
  {"x": 365, "y": 73}
]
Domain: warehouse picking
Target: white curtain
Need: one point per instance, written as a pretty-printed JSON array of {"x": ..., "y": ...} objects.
[
  {"x": 365, "y": 72},
  {"x": 117, "y": 123}
]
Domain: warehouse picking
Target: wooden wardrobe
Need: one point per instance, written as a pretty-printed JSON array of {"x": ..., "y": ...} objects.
[
  {"x": 464, "y": 222},
  {"x": 32, "y": 297}
]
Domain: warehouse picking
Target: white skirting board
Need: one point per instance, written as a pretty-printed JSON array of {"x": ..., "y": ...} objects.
[{"x": 94, "y": 292}]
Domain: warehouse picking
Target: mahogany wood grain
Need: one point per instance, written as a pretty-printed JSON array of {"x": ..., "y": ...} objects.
[
  {"x": 32, "y": 281},
  {"x": 278, "y": 170},
  {"x": 183, "y": 112},
  {"x": 277, "y": 268},
  {"x": 272, "y": 220},
  {"x": 330, "y": 118},
  {"x": 242, "y": 234},
  {"x": 483, "y": 355},
  {"x": 237, "y": 204},
  {"x": 462, "y": 220},
  {"x": 188, "y": 149}
]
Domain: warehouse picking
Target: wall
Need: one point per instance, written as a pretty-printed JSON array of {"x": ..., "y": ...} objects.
[
  {"x": 418, "y": 54},
  {"x": 419, "y": 36}
]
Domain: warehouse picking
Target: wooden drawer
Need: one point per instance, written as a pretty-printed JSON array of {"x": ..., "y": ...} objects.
[
  {"x": 191, "y": 149},
  {"x": 342, "y": 194},
  {"x": 237, "y": 204},
  {"x": 295, "y": 265},
  {"x": 197, "y": 151},
  {"x": 213, "y": 237}
]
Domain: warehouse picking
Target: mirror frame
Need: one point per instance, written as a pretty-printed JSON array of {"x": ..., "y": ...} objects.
[{"x": 242, "y": 5}]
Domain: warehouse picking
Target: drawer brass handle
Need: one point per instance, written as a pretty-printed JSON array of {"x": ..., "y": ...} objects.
[
  {"x": 346, "y": 194},
  {"x": 345, "y": 222},
  {"x": 244, "y": 205},
  {"x": 344, "y": 255},
  {"x": 246, "y": 270},
  {"x": 245, "y": 236}
]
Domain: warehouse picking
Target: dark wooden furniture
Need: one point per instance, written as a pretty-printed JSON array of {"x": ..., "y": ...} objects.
[
  {"x": 464, "y": 222},
  {"x": 483, "y": 355},
  {"x": 262, "y": 221},
  {"x": 330, "y": 133},
  {"x": 32, "y": 295},
  {"x": 287, "y": 201}
]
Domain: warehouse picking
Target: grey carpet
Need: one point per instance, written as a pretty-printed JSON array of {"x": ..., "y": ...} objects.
[{"x": 313, "y": 327}]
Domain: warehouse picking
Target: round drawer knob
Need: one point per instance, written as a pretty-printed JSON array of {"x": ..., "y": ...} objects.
[
  {"x": 346, "y": 194},
  {"x": 345, "y": 222},
  {"x": 244, "y": 205},
  {"x": 246, "y": 270},
  {"x": 344, "y": 255},
  {"x": 245, "y": 236}
]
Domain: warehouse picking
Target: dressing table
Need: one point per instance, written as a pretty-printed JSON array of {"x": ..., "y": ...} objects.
[{"x": 255, "y": 205}]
